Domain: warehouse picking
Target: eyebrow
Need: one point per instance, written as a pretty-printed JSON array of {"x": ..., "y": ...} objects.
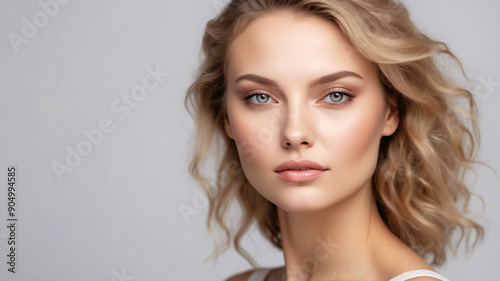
[{"x": 321, "y": 80}]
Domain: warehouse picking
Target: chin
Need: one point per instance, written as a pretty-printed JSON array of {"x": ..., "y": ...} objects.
[
  {"x": 316, "y": 198},
  {"x": 304, "y": 201},
  {"x": 302, "y": 209}
]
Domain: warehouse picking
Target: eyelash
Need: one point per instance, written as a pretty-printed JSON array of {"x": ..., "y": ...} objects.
[
  {"x": 347, "y": 97},
  {"x": 254, "y": 94}
]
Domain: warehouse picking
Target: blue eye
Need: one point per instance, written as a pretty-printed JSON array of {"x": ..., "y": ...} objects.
[
  {"x": 259, "y": 98},
  {"x": 337, "y": 97}
]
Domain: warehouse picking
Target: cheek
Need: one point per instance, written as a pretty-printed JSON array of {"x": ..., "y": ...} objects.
[
  {"x": 354, "y": 141},
  {"x": 255, "y": 136}
]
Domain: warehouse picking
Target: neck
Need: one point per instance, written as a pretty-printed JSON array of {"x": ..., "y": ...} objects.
[{"x": 332, "y": 243}]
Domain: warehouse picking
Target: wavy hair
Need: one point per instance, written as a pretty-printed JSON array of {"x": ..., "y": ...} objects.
[{"x": 418, "y": 182}]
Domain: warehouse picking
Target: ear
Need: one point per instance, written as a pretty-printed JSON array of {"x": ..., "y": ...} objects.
[
  {"x": 227, "y": 127},
  {"x": 391, "y": 122}
]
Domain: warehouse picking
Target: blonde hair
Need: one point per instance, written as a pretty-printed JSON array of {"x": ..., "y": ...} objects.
[{"x": 418, "y": 182}]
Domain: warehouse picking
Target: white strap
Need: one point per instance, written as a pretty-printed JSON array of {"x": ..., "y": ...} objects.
[
  {"x": 418, "y": 273},
  {"x": 259, "y": 275}
]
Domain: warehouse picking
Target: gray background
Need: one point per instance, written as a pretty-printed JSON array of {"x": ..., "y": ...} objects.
[{"x": 116, "y": 216}]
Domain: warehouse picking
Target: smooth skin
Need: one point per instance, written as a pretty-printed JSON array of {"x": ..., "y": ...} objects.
[{"x": 297, "y": 89}]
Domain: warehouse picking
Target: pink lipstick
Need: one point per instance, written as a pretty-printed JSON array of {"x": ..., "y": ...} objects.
[{"x": 300, "y": 171}]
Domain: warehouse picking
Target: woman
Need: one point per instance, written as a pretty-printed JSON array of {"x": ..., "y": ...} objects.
[{"x": 340, "y": 137}]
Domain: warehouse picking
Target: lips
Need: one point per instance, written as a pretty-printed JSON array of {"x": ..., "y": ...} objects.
[{"x": 300, "y": 171}]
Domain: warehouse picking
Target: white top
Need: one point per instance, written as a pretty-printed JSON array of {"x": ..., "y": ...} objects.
[
  {"x": 261, "y": 274},
  {"x": 418, "y": 273}
]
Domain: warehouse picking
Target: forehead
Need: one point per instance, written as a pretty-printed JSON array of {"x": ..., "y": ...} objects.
[{"x": 293, "y": 45}]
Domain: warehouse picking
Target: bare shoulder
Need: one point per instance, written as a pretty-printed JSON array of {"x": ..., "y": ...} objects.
[
  {"x": 241, "y": 276},
  {"x": 404, "y": 261},
  {"x": 393, "y": 258}
]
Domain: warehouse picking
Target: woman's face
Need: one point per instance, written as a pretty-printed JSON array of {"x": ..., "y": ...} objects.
[{"x": 305, "y": 110}]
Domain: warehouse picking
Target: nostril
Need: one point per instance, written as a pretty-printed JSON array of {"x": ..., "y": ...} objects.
[{"x": 290, "y": 144}]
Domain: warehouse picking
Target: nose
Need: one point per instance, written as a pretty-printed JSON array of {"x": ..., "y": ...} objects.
[{"x": 298, "y": 128}]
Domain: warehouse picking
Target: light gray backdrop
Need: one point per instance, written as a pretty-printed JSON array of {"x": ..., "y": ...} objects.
[{"x": 93, "y": 120}]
